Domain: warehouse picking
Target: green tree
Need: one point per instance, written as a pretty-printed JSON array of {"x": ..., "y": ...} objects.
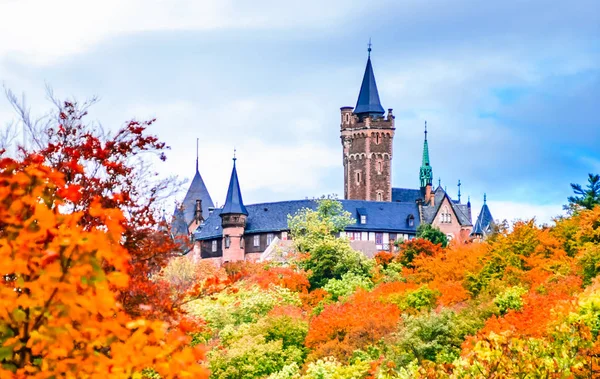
[
  {"x": 315, "y": 232},
  {"x": 588, "y": 198},
  {"x": 432, "y": 234}
]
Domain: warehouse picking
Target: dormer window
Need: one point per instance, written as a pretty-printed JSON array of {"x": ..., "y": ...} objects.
[
  {"x": 411, "y": 220},
  {"x": 363, "y": 219}
]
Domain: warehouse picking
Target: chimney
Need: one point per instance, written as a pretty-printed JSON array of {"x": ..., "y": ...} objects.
[
  {"x": 198, "y": 211},
  {"x": 211, "y": 210},
  {"x": 428, "y": 195}
]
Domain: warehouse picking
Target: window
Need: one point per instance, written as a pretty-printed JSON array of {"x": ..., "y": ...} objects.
[
  {"x": 379, "y": 167},
  {"x": 378, "y": 238},
  {"x": 227, "y": 242},
  {"x": 377, "y": 141},
  {"x": 445, "y": 216},
  {"x": 411, "y": 220},
  {"x": 363, "y": 219},
  {"x": 214, "y": 246},
  {"x": 284, "y": 236},
  {"x": 357, "y": 236},
  {"x": 269, "y": 238},
  {"x": 256, "y": 240},
  {"x": 379, "y": 196},
  {"x": 358, "y": 177}
]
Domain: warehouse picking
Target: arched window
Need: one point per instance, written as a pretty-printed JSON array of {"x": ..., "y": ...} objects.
[
  {"x": 358, "y": 177},
  {"x": 379, "y": 196},
  {"x": 379, "y": 167},
  {"x": 445, "y": 216},
  {"x": 411, "y": 220},
  {"x": 377, "y": 140}
]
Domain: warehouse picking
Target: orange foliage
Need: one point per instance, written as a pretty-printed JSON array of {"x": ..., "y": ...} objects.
[
  {"x": 538, "y": 310},
  {"x": 59, "y": 316},
  {"x": 342, "y": 328}
]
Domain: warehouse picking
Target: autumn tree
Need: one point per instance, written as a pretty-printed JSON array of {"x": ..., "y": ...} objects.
[
  {"x": 59, "y": 315},
  {"x": 110, "y": 168}
]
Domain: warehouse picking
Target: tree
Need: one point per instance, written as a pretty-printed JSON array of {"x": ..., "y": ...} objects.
[
  {"x": 59, "y": 315},
  {"x": 314, "y": 232},
  {"x": 432, "y": 234},
  {"x": 588, "y": 198},
  {"x": 110, "y": 169}
]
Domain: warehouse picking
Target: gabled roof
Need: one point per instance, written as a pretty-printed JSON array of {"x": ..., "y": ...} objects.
[
  {"x": 406, "y": 195},
  {"x": 484, "y": 221},
  {"x": 460, "y": 210},
  {"x": 197, "y": 191},
  {"x": 368, "y": 98},
  {"x": 273, "y": 217},
  {"x": 233, "y": 202}
]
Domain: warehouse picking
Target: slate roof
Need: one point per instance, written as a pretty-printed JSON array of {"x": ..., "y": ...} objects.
[
  {"x": 484, "y": 221},
  {"x": 179, "y": 225},
  {"x": 233, "y": 202},
  {"x": 273, "y": 217},
  {"x": 196, "y": 191},
  {"x": 406, "y": 195},
  {"x": 461, "y": 210},
  {"x": 368, "y": 98}
]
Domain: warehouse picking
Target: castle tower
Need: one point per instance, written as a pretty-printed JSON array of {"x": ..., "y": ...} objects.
[
  {"x": 367, "y": 140},
  {"x": 426, "y": 172},
  {"x": 233, "y": 221}
]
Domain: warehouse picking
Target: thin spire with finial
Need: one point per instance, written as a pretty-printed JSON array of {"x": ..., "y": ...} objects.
[
  {"x": 197, "y": 142},
  {"x": 234, "y": 158},
  {"x": 369, "y": 47},
  {"x": 484, "y": 198},
  {"x": 439, "y": 182},
  {"x": 459, "y": 190},
  {"x": 425, "y": 130},
  {"x": 425, "y": 172}
]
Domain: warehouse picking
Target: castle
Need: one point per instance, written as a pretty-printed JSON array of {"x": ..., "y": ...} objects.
[{"x": 383, "y": 214}]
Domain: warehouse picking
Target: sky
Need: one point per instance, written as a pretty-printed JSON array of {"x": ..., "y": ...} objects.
[{"x": 510, "y": 89}]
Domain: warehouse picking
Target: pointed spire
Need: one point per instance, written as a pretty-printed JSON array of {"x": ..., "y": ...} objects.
[
  {"x": 196, "y": 191},
  {"x": 368, "y": 103},
  {"x": 459, "y": 190},
  {"x": 233, "y": 202},
  {"x": 485, "y": 221},
  {"x": 426, "y": 172},
  {"x": 197, "y": 141}
]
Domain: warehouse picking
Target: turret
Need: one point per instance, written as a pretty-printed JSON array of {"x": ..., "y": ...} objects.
[{"x": 233, "y": 220}]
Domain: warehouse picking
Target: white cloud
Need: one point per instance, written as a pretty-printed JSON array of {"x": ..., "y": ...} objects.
[{"x": 40, "y": 31}]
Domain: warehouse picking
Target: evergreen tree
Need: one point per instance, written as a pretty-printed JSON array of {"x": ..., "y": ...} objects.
[{"x": 588, "y": 198}]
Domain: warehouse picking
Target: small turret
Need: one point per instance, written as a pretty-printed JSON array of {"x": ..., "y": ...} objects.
[{"x": 233, "y": 220}]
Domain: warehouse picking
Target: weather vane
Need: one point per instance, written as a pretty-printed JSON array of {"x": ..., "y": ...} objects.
[{"x": 369, "y": 45}]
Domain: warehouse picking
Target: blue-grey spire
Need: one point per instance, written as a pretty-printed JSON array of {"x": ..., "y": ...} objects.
[
  {"x": 197, "y": 191},
  {"x": 233, "y": 202},
  {"x": 483, "y": 225},
  {"x": 368, "y": 98}
]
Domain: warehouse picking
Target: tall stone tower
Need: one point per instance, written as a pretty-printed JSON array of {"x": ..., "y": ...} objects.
[
  {"x": 367, "y": 140},
  {"x": 233, "y": 221}
]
